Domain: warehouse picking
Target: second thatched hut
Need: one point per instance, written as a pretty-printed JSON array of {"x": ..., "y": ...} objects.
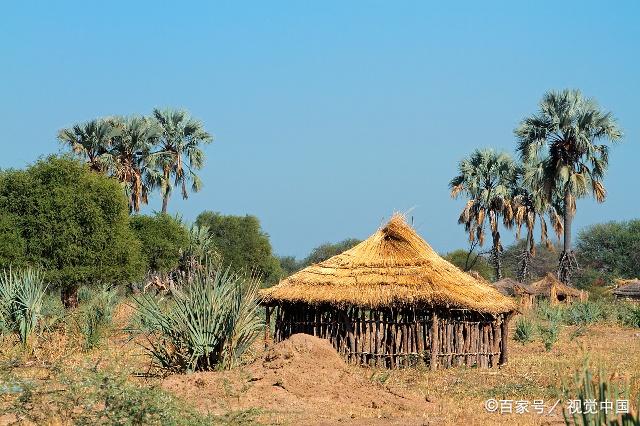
[
  {"x": 512, "y": 288},
  {"x": 549, "y": 287},
  {"x": 393, "y": 301}
]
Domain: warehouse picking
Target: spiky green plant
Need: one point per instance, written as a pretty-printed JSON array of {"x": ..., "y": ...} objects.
[
  {"x": 21, "y": 294},
  {"x": 598, "y": 391},
  {"x": 524, "y": 331},
  {"x": 95, "y": 316},
  {"x": 210, "y": 323},
  {"x": 549, "y": 334}
]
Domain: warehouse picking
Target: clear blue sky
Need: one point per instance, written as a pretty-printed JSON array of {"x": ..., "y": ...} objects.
[{"x": 327, "y": 115}]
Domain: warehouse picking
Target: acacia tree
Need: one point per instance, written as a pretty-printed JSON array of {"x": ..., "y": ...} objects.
[
  {"x": 561, "y": 144},
  {"x": 486, "y": 178},
  {"x": 179, "y": 155}
]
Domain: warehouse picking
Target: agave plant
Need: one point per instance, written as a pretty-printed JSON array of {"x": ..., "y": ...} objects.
[
  {"x": 210, "y": 323},
  {"x": 21, "y": 295}
]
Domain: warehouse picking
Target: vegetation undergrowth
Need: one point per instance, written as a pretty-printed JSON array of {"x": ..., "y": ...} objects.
[{"x": 211, "y": 322}]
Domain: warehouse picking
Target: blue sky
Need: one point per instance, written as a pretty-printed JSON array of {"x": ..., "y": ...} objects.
[{"x": 327, "y": 116}]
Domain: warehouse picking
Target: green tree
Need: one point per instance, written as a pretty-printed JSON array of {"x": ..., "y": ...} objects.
[
  {"x": 90, "y": 141},
  {"x": 327, "y": 250},
  {"x": 179, "y": 155},
  {"x": 486, "y": 178},
  {"x": 163, "y": 240},
  {"x": 611, "y": 249},
  {"x": 12, "y": 245},
  {"x": 562, "y": 145},
  {"x": 545, "y": 260},
  {"x": 470, "y": 261},
  {"x": 289, "y": 265},
  {"x": 74, "y": 224},
  {"x": 242, "y": 244},
  {"x": 531, "y": 206},
  {"x": 127, "y": 158}
]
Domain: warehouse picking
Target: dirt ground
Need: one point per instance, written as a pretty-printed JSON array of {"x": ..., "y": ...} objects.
[
  {"x": 304, "y": 381},
  {"x": 301, "y": 381}
]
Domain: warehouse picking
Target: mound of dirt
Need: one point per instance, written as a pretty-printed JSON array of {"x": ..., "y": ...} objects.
[{"x": 303, "y": 376}]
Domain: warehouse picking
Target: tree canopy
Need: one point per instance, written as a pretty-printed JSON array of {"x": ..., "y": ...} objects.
[
  {"x": 71, "y": 222},
  {"x": 163, "y": 239},
  {"x": 242, "y": 244}
]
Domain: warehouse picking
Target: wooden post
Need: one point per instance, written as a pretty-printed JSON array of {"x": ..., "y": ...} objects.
[
  {"x": 504, "y": 354},
  {"x": 434, "y": 341},
  {"x": 267, "y": 328}
]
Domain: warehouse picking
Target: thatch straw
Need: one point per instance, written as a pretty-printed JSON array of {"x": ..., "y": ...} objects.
[
  {"x": 544, "y": 286},
  {"x": 511, "y": 287},
  {"x": 393, "y": 267}
]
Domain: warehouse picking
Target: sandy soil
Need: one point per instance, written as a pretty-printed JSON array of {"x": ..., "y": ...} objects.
[{"x": 302, "y": 381}]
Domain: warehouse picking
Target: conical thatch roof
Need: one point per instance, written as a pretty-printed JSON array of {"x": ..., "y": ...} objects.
[
  {"x": 630, "y": 288},
  {"x": 543, "y": 287},
  {"x": 511, "y": 287},
  {"x": 392, "y": 267}
]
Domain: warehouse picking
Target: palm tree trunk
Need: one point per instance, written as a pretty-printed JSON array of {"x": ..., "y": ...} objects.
[
  {"x": 565, "y": 263},
  {"x": 497, "y": 255},
  {"x": 165, "y": 202}
]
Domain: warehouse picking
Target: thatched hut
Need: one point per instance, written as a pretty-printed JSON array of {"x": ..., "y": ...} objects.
[
  {"x": 553, "y": 289},
  {"x": 512, "y": 288},
  {"x": 392, "y": 301},
  {"x": 628, "y": 290}
]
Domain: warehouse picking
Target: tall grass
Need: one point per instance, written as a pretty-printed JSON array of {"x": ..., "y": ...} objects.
[
  {"x": 96, "y": 315},
  {"x": 594, "y": 393},
  {"x": 21, "y": 295},
  {"x": 210, "y": 323}
]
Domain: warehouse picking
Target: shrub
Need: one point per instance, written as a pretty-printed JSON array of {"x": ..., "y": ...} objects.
[
  {"x": 163, "y": 238},
  {"x": 524, "y": 331},
  {"x": 549, "y": 334},
  {"x": 209, "y": 324},
  {"x": 548, "y": 312},
  {"x": 584, "y": 313},
  {"x": 74, "y": 224},
  {"x": 242, "y": 244},
  {"x": 629, "y": 314},
  {"x": 95, "y": 316},
  {"x": 21, "y": 295}
]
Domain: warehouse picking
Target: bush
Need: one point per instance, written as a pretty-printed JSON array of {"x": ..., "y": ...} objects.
[
  {"x": 21, "y": 295},
  {"x": 95, "y": 316},
  {"x": 242, "y": 244},
  {"x": 584, "y": 313},
  {"x": 524, "y": 331},
  {"x": 74, "y": 223},
  {"x": 549, "y": 334},
  {"x": 209, "y": 324},
  {"x": 163, "y": 238},
  {"x": 548, "y": 312}
]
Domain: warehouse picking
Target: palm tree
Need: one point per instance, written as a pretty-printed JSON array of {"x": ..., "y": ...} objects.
[
  {"x": 179, "y": 155},
  {"x": 486, "y": 178},
  {"x": 561, "y": 144},
  {"x": 127, "y": 159},
  {"x": 90, "y": 141},
  {"x": 530, "y": 206}
]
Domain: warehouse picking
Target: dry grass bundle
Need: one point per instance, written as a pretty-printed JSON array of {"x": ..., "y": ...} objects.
[{"x": 393, "y": 267}]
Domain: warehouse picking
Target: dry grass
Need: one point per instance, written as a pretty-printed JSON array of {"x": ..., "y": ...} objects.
[
  {"x": 392, "y": 267},
  {"x": 56, "y": 364}
]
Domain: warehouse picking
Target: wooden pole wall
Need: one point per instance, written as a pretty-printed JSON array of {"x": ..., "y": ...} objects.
[{"x": 400, "y": 337}]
